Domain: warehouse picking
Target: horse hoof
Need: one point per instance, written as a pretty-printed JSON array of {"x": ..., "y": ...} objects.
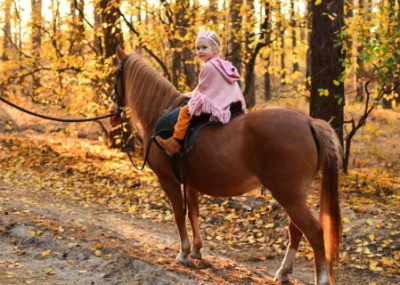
[
  {"x": 196, "y": 255},
  {"x": 182, "y": 259},
  {"x": 282, "y": 277}
]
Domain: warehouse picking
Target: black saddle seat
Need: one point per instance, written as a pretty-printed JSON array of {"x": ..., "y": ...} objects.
[{"x": 166, "y": 124}]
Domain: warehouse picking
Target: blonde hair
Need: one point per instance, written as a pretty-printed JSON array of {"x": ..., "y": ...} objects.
[{"x": 212, "y": 37}]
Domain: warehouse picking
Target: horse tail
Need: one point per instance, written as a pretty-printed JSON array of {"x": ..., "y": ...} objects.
[{"x": 330, "y": 159}]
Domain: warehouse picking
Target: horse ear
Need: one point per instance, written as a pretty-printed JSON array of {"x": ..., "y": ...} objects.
[
  {"x": 138, "y": 50},
  {"x": 121, "y": 55}
]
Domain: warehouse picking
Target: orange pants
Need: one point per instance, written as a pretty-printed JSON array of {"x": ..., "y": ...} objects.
[{"x": 182, "y": 124}]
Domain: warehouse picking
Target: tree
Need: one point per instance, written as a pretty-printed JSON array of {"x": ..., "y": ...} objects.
[
  {"x": 377, "y": 46},
  {"x": 182, "y": 64},
  {"x": 235, "y": 45},
  {"x": 7, "y": 31},
  {"x": 327, "y": 92},
  {"x": 36, "y": 16},
  {"x": 257, "y": 43},
  {"x": 249, "y": 23},
  {"x": 294, "y": 38},
  {"x": 113, "y": 37}
]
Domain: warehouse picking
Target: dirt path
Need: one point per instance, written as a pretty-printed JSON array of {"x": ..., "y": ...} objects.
[{"x": 47, "y": 239}]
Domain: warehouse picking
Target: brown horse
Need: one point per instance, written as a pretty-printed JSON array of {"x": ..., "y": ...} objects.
[{"x": 279, "y": 148}]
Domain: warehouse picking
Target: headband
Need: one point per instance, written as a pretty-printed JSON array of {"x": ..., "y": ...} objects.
[{"x": 206, "y": 35}]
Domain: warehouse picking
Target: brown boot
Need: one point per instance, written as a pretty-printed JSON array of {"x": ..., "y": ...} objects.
[{"x": 170, "y": 145}]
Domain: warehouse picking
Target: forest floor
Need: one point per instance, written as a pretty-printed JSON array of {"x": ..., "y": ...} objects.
[{"x": 73, "y": 211}]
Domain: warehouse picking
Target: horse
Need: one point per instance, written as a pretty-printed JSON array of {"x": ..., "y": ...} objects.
[{"x": 281, "y": 149}]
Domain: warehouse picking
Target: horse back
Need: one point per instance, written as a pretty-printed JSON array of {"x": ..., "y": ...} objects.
[{"x": 271, "y": 142}]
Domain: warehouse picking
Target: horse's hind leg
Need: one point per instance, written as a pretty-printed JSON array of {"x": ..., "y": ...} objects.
[
  {"x": 304, "y": 220},
  {"x": 173, "y": 191},
  {"x": 193, "y": 213},
  {"x": 286, "y": 268}
]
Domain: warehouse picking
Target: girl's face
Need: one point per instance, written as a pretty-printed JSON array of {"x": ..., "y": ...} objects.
[{"x": 204, "y": 50}]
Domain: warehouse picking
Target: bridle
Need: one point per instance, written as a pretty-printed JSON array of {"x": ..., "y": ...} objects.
[{"x": 114, "y": 95}]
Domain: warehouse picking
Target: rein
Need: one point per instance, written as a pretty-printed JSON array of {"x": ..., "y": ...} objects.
[
  {"x": 129, "y": 155},
  {"x": 53, "y": 118},
  {"x": 152, "y": 138}
]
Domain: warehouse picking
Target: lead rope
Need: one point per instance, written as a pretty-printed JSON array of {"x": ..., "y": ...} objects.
[{"x": 53, "y": 118}]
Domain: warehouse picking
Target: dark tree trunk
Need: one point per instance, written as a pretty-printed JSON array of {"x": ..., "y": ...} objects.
[
  {"x": 397, "y": 90},
  {"x": 267, "y": 76},
  {"x": 183, "y": 56},
  {"x": 36, "y": 16},
  {"x": 111, "y": 27},
  {"x": 77, "y": 34},
  {"x": 283, "y": 66},
  {"x": 249, "y": 39},
  {"x": 326, "y": 66},
  {"x": 97, "y": 28},
  {"x": 235, "y": 46},
  {"x": 212, "y": 16},
  {"x": 308, "y": 53},
  {"x": 360, "y": 75},
  {"x": 112, "y": 37},
  {"x": 249, "y": 76},
  {"x": 37, "y": 26},
  {"x": 294, "y": 39},
  {"x": 281, "y": 42},
  {"x": 267, "y": 86},
  {"x": 7, "y": 31}
]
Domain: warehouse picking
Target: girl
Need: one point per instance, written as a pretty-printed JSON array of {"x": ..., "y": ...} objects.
[{"x": 216, "y": 91}]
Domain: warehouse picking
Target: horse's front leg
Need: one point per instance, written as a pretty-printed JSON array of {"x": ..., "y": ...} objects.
[
  {"x": 173, "y": 191},
  {"x": 193, "y": 212}
]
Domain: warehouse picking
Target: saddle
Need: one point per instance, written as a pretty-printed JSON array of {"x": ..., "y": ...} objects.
[{"x": 165, "y": 129}]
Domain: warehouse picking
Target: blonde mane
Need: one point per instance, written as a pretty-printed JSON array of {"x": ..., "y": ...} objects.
[{"x": 147, "y": 91}]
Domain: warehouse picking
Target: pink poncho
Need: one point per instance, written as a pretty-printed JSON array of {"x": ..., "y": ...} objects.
[{"x": 216, "y": 91}]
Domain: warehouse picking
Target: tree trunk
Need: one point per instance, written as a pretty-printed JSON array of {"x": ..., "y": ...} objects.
[
  {"x": 235, "y": 46},
  {"x": 267, "y": 76},
  {"x": 212, "y": 15},
  {"x": 281, "y": 42},
  {"x": 7, "y": 31},
  {"x": 327, "y": 98},
  {"x": 360, "y": 75},
  {"x": 182, "y": 65},
  {"x": 249, "y": 39},
  {"x": 36, "y": 16},
  {"x": 37, "y": 26},
  {"x": 111, "y": 27},
  {"x": 267, "y": 86},
  {"x": 249, "y": 76},
  {"x": 97, "y": 29},
  {"x": 294, "y": 39},
  {"x": 112, "y": 37},
  {"x": 77, "y": 34},
  {"x": 308, "y": 52},
  {"x": 392, "y": 74}
]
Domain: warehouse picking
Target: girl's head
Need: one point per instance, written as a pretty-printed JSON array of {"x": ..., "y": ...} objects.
[{"x": 207, "y": 45}]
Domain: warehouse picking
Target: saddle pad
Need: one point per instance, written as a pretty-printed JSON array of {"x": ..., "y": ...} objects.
[{"x": 165, "y": 127}]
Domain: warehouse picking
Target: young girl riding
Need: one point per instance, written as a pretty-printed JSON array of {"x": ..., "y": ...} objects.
[{"x": 216, "y": 91}]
